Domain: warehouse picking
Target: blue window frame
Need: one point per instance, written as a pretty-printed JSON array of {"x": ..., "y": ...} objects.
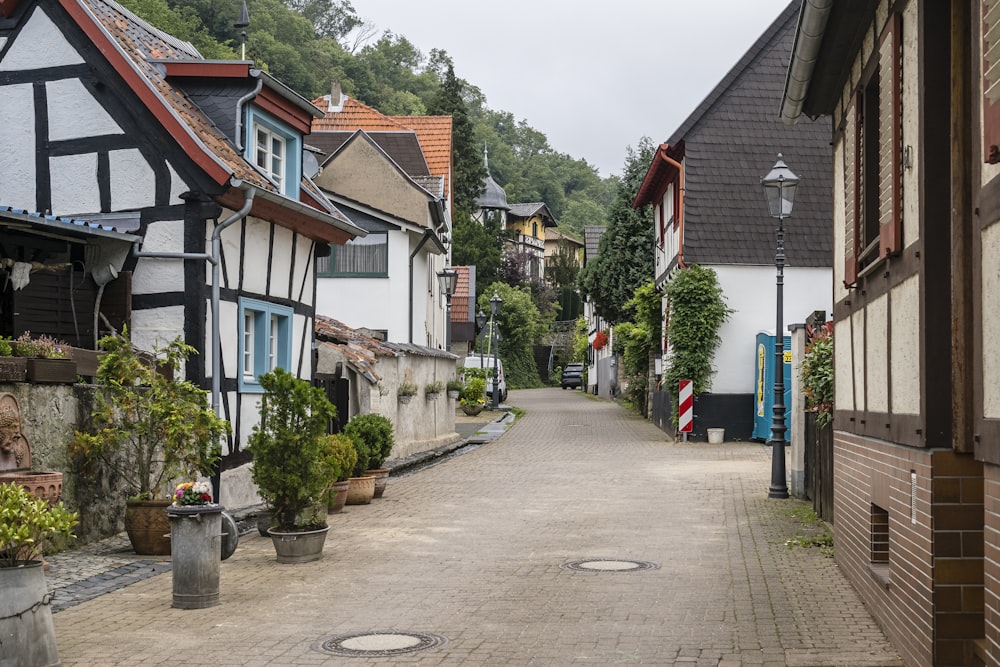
[
  {"x": 265, "y": 336},
  {"x": 276, "y": 149}
]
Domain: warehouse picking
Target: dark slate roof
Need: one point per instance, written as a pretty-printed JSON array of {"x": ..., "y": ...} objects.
[
  {"x": 592, "y": 241},
  {"x": 63, "y": 224},
  {"x": 364, "y": 220},
  {"x": 532, "y": 209},
  {"x": 731, "y": 140},
  {"x": 493, "y": 197},
  {"x": 402, "y": 147}
]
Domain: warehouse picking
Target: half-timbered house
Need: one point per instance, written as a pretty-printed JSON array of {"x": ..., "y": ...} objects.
[
  {"x": 911, "y": 87},
  {"x": 109, "y": 120}
]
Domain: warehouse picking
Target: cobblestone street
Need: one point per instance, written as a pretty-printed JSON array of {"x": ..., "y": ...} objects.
[{"x": 583, "y": 535}]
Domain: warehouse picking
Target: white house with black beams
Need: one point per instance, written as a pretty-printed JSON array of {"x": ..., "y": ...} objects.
[{"x": 111, "y": 121}]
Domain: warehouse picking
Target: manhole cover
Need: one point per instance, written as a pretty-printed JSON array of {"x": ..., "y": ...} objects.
[
  {"x": 379, "y": 643},
  {"x": 609, "y": 565}
]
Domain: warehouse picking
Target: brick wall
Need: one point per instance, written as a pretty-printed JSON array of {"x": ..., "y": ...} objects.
[
  {"x": 991, "y": 541},
  {"x": 928, "y": 597}
]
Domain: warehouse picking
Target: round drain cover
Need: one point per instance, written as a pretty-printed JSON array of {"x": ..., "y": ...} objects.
[
  {"x": 609, "y": 565},
  {"x": 379, "y": 643}
]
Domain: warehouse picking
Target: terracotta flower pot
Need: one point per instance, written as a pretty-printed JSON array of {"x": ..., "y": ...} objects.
[
  {"x": 338, "y": 497},
  {"x": 148, "y": 525},
  {"x": 361, "y": 490},
  {"x": 381, "y": 476}
]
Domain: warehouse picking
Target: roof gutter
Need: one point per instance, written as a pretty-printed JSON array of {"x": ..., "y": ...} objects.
[{"x": 808, "y": 39}]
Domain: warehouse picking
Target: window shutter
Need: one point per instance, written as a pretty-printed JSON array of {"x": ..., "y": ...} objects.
[
  {"x": 890, "y": 138},
  {"x": 852, "y": 147},
  {"x": 991, "y": 81}
]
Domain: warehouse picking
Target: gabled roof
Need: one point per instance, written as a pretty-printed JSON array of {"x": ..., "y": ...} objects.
[
  {"x": 732, "y": 139},
  {"x": 531, "y": 210},
  {"x": 433, "y": 132},
  {"x": 402, "y": 146},
  {"x": 361, "y": 135},
  {"x": 556, "y": 235},
  {"x": 140, "y": 54}
]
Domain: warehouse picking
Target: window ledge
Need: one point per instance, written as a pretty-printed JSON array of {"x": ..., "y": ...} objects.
[{"x": 880, "y": 573}]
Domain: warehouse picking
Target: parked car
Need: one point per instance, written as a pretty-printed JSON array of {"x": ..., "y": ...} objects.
[
  {"x": 572, "y": 375},
  {"x": 486, "y": 361}
]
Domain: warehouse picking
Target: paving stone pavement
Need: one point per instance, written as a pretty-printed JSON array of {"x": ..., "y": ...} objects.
[{"x": 473, "y": 548}]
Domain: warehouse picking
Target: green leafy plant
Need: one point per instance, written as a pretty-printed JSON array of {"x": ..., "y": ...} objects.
[
  {"x": 339, "y": 456},
  {"x": 454, "y": 384},
  {"x": 435, "y": 387},
  {"x": 289, "y": 450},
  {"x": 29, "y": 524},
  {"x": 475, "y": 390},
  {"x": 5, "y": 348},
  {"x": 697, "y": 311},
  {"x": 817, "y": 373},
  {"x": 407, "y": 389},
  {"x": 375, "y": 432},
  {"x": 147, "y": 429}
]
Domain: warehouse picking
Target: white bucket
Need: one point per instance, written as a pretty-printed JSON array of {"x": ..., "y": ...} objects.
[{"x": 716, "y": 436}]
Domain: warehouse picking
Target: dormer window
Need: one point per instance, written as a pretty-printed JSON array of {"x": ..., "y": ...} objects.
[
  {"x": 269, "y": 155},
  {"x": 276, "y": 149}
]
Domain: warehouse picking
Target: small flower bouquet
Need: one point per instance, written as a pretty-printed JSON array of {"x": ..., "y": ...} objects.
[{"x": 193, "y": 493}]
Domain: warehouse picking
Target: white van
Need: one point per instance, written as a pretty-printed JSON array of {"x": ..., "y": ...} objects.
[{"x": 486, "y": 360}]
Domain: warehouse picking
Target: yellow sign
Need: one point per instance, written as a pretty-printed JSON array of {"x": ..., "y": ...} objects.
[
  {"x": 761, "y": 356},
  {"x": 788, "y": 357}
]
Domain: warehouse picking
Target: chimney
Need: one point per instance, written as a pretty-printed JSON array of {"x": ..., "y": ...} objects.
[{"x": 336, "y": 97}]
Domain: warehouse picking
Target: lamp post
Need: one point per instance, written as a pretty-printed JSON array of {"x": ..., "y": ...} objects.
[
  {"x": 480, "y": 323},
  {"x": 495, "y": 304},
  {"x": 779, "y": 189},
  {"x": 447, "y": 281}
]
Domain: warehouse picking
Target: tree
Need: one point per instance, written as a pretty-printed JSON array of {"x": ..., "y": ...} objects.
[
  {"x": 624, "y": 260},
  {"x": 520, "y": 326},
  {"x": 469, "y": 173}
]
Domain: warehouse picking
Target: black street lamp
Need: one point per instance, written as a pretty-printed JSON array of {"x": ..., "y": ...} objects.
[
  {"x": 779, "y": 189},
  {"x": 480, "y": 323},
  {"x": 447, "y": 281},
  {"x": 495, "y": 304}
]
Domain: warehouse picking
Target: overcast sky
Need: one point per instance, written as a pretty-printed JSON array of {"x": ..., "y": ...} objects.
[{"x": 594, "y": 76}]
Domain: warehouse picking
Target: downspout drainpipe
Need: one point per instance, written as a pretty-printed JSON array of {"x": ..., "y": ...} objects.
[
  {"x": 427, "y": 236},
  {"x": 239, "y": 112},
  {"x": 215, "y": 257},
  {"x": 680, "y": 206}
]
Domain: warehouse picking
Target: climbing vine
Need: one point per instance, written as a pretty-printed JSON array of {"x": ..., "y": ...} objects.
[
  {"x": 697, "y": 311},
  {"x": 817, "y": 373}
]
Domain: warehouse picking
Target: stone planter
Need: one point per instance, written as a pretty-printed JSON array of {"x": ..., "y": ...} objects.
[
  {"x": 432, "y": 395},
  {"x": 27, "y": 634},
  {"x": 405, "y": 398},
  {"x": 453, "y": 394},
  {"x": 13, "y": 369},
  {"x": 195, "y": 555},
  {"x": 472, "y": 410},
  {"x": 361, "y": 490},
  {"x": 147, "y": 525},
  {"x": 51, "y": 371},
  {"x": 299, "y": 547}
]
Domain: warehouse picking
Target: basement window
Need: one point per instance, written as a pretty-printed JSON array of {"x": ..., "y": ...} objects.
[{"x": 879, "y": 564}]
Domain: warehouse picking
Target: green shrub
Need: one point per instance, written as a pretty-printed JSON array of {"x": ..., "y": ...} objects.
[
  {"x": 289, "y": 448},
  {"x": 28, "y": 524},
  {"x": 375, "y": 433},
  {"x": 475, "y": 391}
]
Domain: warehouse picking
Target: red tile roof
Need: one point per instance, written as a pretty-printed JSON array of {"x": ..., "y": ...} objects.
[{"x": 433, "y": 132}]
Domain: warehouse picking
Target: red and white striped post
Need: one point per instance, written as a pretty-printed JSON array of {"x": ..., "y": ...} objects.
[{"x": 685, "y": 408}]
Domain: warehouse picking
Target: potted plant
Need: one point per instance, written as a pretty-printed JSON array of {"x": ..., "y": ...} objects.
[
  {"x": 454, "y": 387},
  {"x": 289, "y": 464},
  {"x": 27, "y": 525},
  {"x": 12, "y": 369},
  {"x": 148, "y": 430},
  {"x": 340, "y": 458},
  {"x": 361, "y": 485},
  {"x": 407, "y": 390},
  {"x": 473, "y": 396},
  {"x": 432, "y": 389},
  {"x": 375, "y": 433},
  {"x": 46, "y": 359}
]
